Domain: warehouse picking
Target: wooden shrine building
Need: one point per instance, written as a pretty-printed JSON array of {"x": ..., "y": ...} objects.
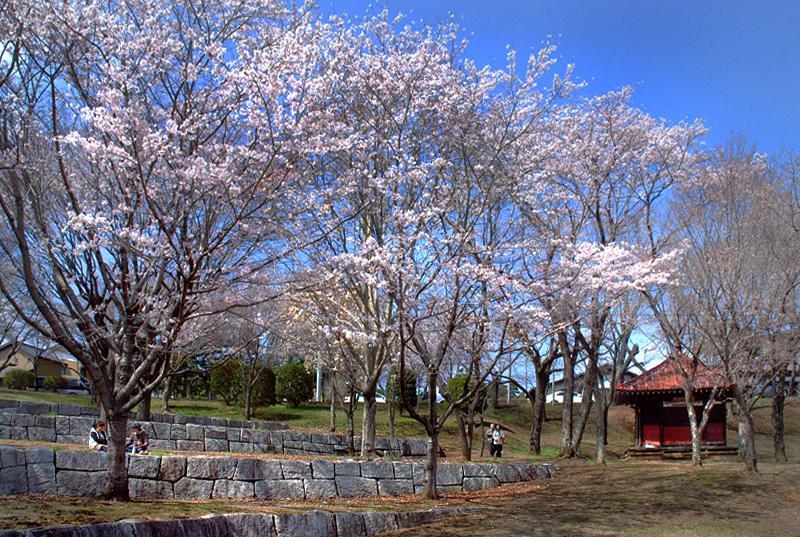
[{"x": 662, "y": 421}]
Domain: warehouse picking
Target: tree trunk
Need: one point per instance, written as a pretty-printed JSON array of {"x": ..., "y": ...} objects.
[
  {"x": 778, "y": 401},
  {"x": 589, "y": 381},
  {"x": 392, "y": 413},
  {"x": 166, "y": 395},
  {"x": 569, "y": 387},
  {"x": 539, "y": 410},
  {"x": 248, "y": 401},
  {"x": 602, "y": 426},
  {"x": 697, "y": 435},
  {"x": 495, "y": 395},
  {"x": 145, "y": 407},
  {"x": 431, "y": 460},
  {"x": 368, "y": 430},
  {"x": 116, "y": 485},
  {"x": 465, "y": 436},
  {"x": 333, "y": 413},
  {"x": 351, "y": 432},
  {"x": 750, "y": 457}
]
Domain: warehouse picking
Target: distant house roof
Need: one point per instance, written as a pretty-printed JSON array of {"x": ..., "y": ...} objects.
[
  {"x": 668, "y": 377},
  {"x": 55, "y": 353}
]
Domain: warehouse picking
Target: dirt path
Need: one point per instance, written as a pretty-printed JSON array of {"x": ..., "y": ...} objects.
[{"x": 654, "y": 499}]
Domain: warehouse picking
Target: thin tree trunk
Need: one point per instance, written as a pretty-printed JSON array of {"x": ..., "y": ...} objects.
[
  {"x": 166, "y": 395},
  {"x": 697, "y": 434},
  {"x": 248, "y": 401},
  {"x": 569, "y": 387},
  {"x": 145, "y": 407},
  {"x": 431, "y": 463},
  {"x": 589, "y": 381},
  {"x": 602, "y": 425},
  {"x": 539, "y": 410},
  {"x": 116, "y": 485},
  {"x": 392, "y": 413},
  {"x": 333, "y": 410},
  {"x": 750, "y": 456},
  {"x": 464, "y": 435},
  {"x": 778, "y": 402},
  {"x": 368, "y": 429}
]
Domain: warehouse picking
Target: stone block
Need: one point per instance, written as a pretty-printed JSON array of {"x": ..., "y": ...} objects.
[
  {"x": 304, "y": 525},
  {"x": 46, "y": 421},
  {"x": 256, "y": 436},
  {"x": 5, "y": 431},
  {"x": 395, "y": 487},
  {"x": 505, "y": 473},
  {"x": 264, "y": 448},
  {"x": 80, "y": 483},
  {"x": 449, "y": 474},
  {"x": 207, "y": 526},
  {"x": 190, "y": 445},
  {"x": 380, "y": 522},
  {"x": 295, "y": 469},
  {"x": 403, "y": 470},
  {"x": 377, "y": 469},
  {"x": 150, "y": 489},
  {"x": 277, "y": 489},
  {"x": 62, "y": 425},
  {"x": 350, "y": 487},
  {"x": 42, "y": 477},
  {"x": 39, "y": 454},
  {"x": 19, "y": 433},
  {"x": 257, "y": 470},
  {"x": 181, "y": 418},
  {"x": 164, "y": 445},
  {"x": 92, "y": 461},
  {"x": 293, "y": 444},
  {"x": 216, "y": 432},
  {"x": 217, "y": 444},
  {"x": 187, "y": 488},
  {"x": 144, "y": 466},
  {"x": 210, "y": 467},
  {"x": 412, "y": 519},
  {"x": 5, "y": 418},
  {"x": 419, "y": 473},
  {"x": 29, "y": 407},
  {"x": 79, "y": 425},
  {"x": 480, "y": 483},
  {"x": 172, "y": 468},
  {"x": 13, "y": 480},
  {"x": 23, "y": 420},
  {"x": 162, "y": 431},
  {"x": 7, "y": 405},
  {"x": 69, "y": 410},
  {"x": 233, "y": 434},
  {"x": 71, "y": 439},
  {"x": 251, "y": 525},
  {"x": 319, "y": 488},
  {"x": 195, "y": 432},
  {"x": 347, "y": 468},
  {"x": 322, "y": 470},
  {"x": 478, "y": 470},
  {"x": 241, "y": 447},
  {"x": 226, "y": 488},
  {"x": 178, "y": 432},
  {"x": 350, "y": 525}
]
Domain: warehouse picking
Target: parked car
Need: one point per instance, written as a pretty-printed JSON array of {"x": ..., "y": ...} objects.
[{"x": 558, "y": 397}]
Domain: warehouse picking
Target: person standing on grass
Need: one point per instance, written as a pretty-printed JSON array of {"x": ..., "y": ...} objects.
[
  {"x": 498, "y": 439},
  {"x": 490, "y": 439},
  {"x": 97, "y": 436}
]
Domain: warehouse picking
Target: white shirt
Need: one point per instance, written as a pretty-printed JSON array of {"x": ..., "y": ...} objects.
[{"x": 498, "y": 436}]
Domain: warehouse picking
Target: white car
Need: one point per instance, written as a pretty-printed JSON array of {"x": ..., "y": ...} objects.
[
  {"x": 558, "y": 397},
  {"x": 378, "y": 399}
]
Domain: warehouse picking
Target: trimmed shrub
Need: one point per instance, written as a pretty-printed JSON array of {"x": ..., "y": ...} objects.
[
  {"x": 295, "y": 383},
  {"x": 456, "y": 389},
  {"x": 19, "y": 379},
  {"x": 54, "y": 383},
  {"x": 264, "y": 390},
  {"x": 393, "y": 395},
  {"x": 226, "y": 381}
]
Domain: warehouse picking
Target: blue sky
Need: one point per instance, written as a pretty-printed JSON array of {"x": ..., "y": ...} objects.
[{"x": 735, "y": 63}]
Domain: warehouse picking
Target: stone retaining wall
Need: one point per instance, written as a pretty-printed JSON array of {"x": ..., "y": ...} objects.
[
  {"x": 82, "y": 473},
  {"x": 313, "y": 524},
  {"x": 61, "y": 409},
  {"x": 192, "y": 437}
]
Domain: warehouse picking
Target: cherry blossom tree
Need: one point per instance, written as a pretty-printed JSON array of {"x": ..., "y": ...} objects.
[{"x": 149, "y": 158}]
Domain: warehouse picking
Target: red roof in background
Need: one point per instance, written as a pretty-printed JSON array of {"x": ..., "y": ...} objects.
[{"x": 667, "y": 376}]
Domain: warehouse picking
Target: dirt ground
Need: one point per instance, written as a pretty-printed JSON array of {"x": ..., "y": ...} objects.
[{"x": 640, "y": 498}]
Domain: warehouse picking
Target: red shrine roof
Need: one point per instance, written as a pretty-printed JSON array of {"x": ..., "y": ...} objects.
[{"x": 668, "y": 376}]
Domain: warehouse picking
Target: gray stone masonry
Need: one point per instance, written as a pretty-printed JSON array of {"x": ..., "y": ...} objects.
[
  {"x": 82, "y": 473},
  {"x": 311, "y": 524},
  {"x": 223, "y": 436}
]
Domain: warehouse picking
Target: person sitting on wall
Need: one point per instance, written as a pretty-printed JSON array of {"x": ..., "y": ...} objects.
[
  {"x": 138, "y": 441},
  {"x": 97, "y": 436}
]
